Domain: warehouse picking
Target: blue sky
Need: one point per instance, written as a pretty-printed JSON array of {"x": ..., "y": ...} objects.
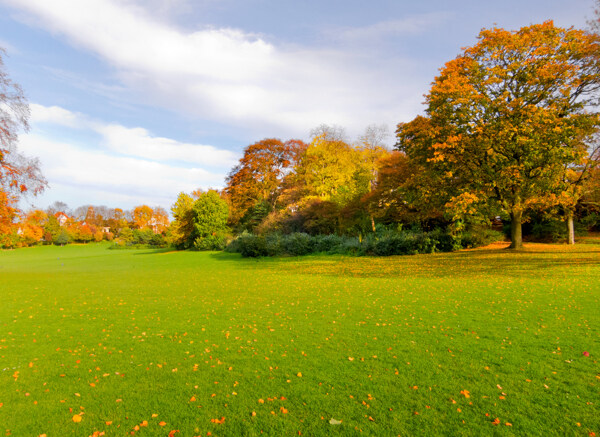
[{"x": 134, "y": 101}]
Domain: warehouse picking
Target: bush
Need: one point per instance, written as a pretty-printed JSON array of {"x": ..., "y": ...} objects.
[
  {"x": 210, "y": 242},
  {"x": 298, "y": 244},
  {"x": 480, "y": 237},
  {"x": 252, "y": 246},
  {"x": 327, "y": 243},
  {"x": 386, "y": 242},
  {"x": 158, "y": 240}
]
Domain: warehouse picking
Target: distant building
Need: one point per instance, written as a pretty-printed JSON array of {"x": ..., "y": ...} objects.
[{"x": 61, "y": 217}]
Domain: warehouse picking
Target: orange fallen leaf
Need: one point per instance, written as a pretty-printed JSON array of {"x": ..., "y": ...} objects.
[
  {"x": 466, "y": 393},
  {"x": 173, "y": 432},
  {"x": 496, "y": 421},
  {"x": 253, "y": 413},
  {"x": 299, "y": 375},
  {"x": 193, "y": 399},
  {"x": 154, "y": 415},
  {"x": 162, "y": 423},
  {"x": 108, "y": 423},
  {"x": 77, "y": 418},
  {"x": 371, "y": 419},
  {"x": 508, "y": 424},
  {"x": 144, "y": 423},
  {"x": 261, "y": 401}
]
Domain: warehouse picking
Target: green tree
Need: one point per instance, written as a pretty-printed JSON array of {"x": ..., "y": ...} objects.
[
  {"x": 508, "y": 114},
  {"x": 210, "y": 214},
  {"x": 62, "y": 238},
  {"x": 182, "y": 227}
]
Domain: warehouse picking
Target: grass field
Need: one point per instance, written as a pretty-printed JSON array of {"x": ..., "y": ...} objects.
[{"x": 483, "y": 342}]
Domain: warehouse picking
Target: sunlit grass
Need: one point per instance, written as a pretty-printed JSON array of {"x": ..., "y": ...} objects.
[{"x": 415, "y": 345}]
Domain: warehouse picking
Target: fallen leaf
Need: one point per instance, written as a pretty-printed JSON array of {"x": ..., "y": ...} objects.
[
  {"x": 466, "y": 393},
  {"x": 162, "y": 423},
  {"x": 332, "y": 421},
  {"x": 77, "y": 418}
]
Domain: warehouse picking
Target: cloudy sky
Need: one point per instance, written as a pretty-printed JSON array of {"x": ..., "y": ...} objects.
[{"x": 134, "y": 101}]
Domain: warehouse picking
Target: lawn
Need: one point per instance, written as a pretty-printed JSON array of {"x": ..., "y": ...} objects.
[{"x": 140, "y": 342}]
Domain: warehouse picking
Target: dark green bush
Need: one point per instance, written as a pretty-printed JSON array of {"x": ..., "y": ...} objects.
[
  {"x": 298, "y": 244},
  {"x": 252, "y": 246},
  {"x": 384, "y": 243}
]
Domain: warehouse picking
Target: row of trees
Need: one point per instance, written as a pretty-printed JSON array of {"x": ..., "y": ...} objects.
[
  {"x": 510, "y": 130},
  {"x": 58, "y": 224}
]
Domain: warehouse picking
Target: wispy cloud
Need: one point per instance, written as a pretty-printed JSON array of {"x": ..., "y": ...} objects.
[
  {"x": 412, "y": 25},
  {"x": 136, "y": 142},
  {"x": 118, "y": 162},
  {"x": 229, "y": 75}
]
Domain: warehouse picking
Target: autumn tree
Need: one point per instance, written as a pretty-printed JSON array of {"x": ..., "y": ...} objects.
[
  {"x": 182, "y": 227},
  {"x": 18, "y": 173},
  {"x": 508, "y": 113},
  {"x": 142, "y": 215},
  {"x": 373, "y": 149},
  {"x": 254, "y": 185},
  {"x": 160, "y": 220}
]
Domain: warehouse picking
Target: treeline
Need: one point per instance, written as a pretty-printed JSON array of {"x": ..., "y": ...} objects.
[
  {"x": 509, "y": 135},
  {"x": 60, "y": 225},
  {"x": 508, "y": 142}
]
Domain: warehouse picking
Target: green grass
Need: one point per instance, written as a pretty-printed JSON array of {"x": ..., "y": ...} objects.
[{"x": 385, "y": 345}]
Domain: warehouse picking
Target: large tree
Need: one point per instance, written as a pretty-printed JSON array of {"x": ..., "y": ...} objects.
[
  {"x": 255, "y": 183},
  {"x": 509, "y": 113},
  {"x": 18, "y": 173}
]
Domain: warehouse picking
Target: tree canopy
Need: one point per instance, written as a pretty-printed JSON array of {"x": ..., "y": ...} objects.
[{"x": 507, "y": 115}]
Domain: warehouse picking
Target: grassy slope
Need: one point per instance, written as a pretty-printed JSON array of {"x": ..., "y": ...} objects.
[{"x": 386, "y": 345}]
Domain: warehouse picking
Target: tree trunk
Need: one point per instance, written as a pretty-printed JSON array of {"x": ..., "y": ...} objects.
[
  {"x": 373, "y": 223},
  {"x": 516, "y": 236},
  {"x": 570, "y": 228}
]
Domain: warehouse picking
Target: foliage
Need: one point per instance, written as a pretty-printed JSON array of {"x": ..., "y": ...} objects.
[
  {"x": 182, "y": 227},
  {"x": 490, "y": 112},
  {"x": 210, "y": 214},
  {"x": 18, "y": 173},
  {"x": 385, "y": 243},
  {"x": 62, "y": 238},
  {"x": 257, "y": 179}
]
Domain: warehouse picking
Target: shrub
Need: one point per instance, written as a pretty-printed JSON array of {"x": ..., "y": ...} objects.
[
  {"x": 210, "y": 242},
  {"x": 298, "y": 244},
  {"x": 480, "y": 237},
  {"x": 252, "y": 246}
]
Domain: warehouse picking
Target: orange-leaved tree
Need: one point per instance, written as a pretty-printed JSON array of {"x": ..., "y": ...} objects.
[
  {"x": 508, "y": 115},
  {"x": 18, "y": 173}
]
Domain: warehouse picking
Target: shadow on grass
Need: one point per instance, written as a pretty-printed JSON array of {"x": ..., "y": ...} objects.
[{"x": 479, "y": 262}]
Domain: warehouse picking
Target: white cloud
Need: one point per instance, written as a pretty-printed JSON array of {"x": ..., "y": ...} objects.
[
  {"x": 57, "y": 115},
  {"x": 231, "y": 76},
  {"x": 136, "y": 142},
  {"x": 116, "y": 165},
  {"x": 119, "y": 178}
]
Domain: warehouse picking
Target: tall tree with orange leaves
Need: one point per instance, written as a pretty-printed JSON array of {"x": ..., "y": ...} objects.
[{"x": 508, "y": 114}]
